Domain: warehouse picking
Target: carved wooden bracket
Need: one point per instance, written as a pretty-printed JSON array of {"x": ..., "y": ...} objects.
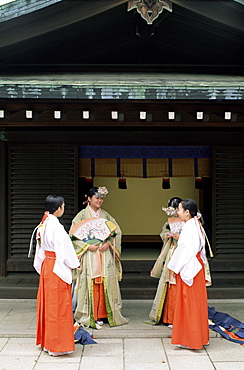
[{"x": 150, "y": 9}]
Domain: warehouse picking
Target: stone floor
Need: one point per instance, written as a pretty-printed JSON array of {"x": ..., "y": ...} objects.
[{"x": 134, "y": 346}]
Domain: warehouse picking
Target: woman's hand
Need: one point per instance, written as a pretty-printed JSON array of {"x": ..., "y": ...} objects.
[
  {"x": 172, "y": 273},
  {"x": 176, "y": 236},
  {"x": 93, "y": 247},
  {"x": 104, "y": 247},
  {"x": 168, "y": 235}
]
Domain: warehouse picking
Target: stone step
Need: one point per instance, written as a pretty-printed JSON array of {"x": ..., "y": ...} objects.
[
  {"x": 223, "y": 292},
  {"x": 134, "y": 285},
  {"x": 138, "y": 266},
  {"x": 235, "y": 292},
  {"x": 138, "y": 279},
  {"x": 227, "y": 279}
]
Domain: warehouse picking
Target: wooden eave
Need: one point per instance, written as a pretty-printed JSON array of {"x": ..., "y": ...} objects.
[
  {"x": 100, "y": 114},
  {"x": 83, "y": 33},
  {"x": 122, "y": 86},
  {"x": 128, "y": 94}
]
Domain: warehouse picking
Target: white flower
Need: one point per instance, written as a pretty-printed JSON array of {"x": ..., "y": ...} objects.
[
  {"x": 102, "y": 191},
  {"x": 170, "y": 211}
]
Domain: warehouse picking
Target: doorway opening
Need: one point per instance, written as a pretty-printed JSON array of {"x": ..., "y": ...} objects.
[{"x": 138, "y": 209}]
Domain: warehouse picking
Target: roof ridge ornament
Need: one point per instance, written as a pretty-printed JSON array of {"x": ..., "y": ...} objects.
[{"x": 150, "y": 9}]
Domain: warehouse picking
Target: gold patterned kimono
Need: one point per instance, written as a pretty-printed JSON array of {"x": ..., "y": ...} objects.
[{"x": 111, "y": 273}]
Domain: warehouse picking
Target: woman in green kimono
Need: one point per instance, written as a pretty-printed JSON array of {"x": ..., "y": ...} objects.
[
  {"x": 96, "y": 292},
  {"x": 163, "y": 304}
]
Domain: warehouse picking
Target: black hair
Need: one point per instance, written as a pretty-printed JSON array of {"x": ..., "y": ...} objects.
[
  {"x": 174, "y": 202},
  {"x": 53, "y": 202},
  {"x": 191, "y": 205},
  {"x": 92, "y": 191}
]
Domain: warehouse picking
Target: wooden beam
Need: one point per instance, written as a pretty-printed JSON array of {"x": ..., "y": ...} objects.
[{"x": 71, "y": 114}]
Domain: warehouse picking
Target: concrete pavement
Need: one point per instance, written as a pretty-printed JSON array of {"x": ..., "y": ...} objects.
[{"x": 130, "y": 347}]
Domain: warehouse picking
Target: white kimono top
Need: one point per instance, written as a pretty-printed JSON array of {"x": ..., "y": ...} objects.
[
  {"x": 184, "y": 259},
  {"x": 55, "y": 239}
]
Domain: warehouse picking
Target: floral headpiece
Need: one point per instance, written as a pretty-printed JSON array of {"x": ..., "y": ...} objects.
[
  {"x": 101, "y": 192},
  {"x": 170, "y": 211}
]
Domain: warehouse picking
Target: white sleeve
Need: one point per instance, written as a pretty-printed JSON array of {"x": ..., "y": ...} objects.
[
  {"x": 184, "y": 259},
  {"x": 66, "y": 258}
]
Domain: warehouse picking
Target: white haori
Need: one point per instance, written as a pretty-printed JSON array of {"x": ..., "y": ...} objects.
[
  {"x": 184, "y": 261},
  {"x": 55, "y": 239}
]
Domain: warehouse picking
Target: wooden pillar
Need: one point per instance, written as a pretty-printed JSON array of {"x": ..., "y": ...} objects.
[{"x": 3, "y": 208}]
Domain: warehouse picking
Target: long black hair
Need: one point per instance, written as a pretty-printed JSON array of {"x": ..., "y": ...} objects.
[
  {"x": 174, "y": 202},
  {"x": 191, "y": 205},
  {"x": 53, "y": 202},
  {"x": 92, "y": 191}
]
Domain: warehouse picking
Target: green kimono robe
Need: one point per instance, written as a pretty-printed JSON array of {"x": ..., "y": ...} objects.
[
  {"x": 161, "y": 271},
  {"x": 111, "y": 273}
]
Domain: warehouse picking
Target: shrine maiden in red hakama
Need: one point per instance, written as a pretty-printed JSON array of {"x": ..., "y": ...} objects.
[
  {"x": 54, "y": 259},
  {"x": 190, "y": 325}
]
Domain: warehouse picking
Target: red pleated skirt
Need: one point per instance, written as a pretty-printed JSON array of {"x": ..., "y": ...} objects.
[
  {"x": 190, "y": 325},
  {"x": 169, "y": 304},
  {"x": 99, "y": 305},
  {"x": 55, "y": 330}
]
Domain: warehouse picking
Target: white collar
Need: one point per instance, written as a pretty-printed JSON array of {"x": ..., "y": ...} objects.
[{"x": 95, "y": 213}]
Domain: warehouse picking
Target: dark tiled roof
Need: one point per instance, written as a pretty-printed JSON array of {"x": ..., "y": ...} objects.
[
  {"x": 123, "y": 86},
  {"x": 18, "y": 8}
]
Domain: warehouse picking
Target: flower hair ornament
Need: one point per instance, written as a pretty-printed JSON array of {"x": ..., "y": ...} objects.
[
  {"x": 170, "y": 211},
  {"x": 101, "y": 192}
]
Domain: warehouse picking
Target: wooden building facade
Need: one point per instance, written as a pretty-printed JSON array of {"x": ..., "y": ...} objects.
[{"x": 95, "y": 75}]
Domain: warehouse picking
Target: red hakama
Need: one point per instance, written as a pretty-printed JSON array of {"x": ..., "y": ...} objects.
[
  {"x": 190, "y": 325},
  {"x": 169, "y": 304},
  {"x": 55, "y": 330},
  {"x": 100, "y": 311}
]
